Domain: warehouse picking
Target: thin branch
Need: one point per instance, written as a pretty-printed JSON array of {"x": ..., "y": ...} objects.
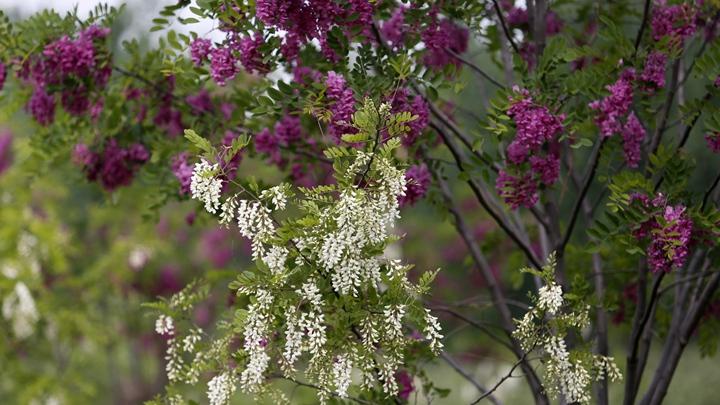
[
  {"x": 473, "y": 323},
  {"x": 474, "y": 67},
  {"x": 502, "y": 380},
  {"x": 594, "y": 160},
  {"x": 643, "y": 25},
  {"x": 709, "y": 192},
  {"x": 499, "y": 13},
  {"x": 313, "y": 386},
  {"x": 453, "y": 364}
]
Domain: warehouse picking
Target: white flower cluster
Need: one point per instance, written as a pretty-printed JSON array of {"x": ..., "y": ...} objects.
[
  {"x": 342, "y": 374},
  {"x": 550, "y": 298},
  {"x": 305, "y": 331},
  {"x": 568, "y": 373},
  {"x": 432, "y": 332},
  {"x": 164, "y": 325},
  {"x": 205, "y": 186},
  {"x": 19, "y": 308},
  {"x": 255, "y": 223},
  {"x": 221, "y": 388},
  {"x": 277, "y": 195},
  {"x": 275, "y": 258},
  {"x": 256, "y": 334}
]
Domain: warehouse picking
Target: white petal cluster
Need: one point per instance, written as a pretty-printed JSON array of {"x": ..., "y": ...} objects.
[
  {"x": 275, "y": 259},
  {"x": 277, "y": 195},
  {"x": 205, "y": 186},
  {"x": 550, "y": 298},
  {"x": 393, "y": 321},
  {"x": 432, "y": 332},
  {"x": 19, "y": 308},
  {"x": 227, "y": 211},
  {"x": 256, "y": 333},
  {"x": 221, "y": 388},
  {"x": 164, "y": 325},
  {"x": 342, "y": 373},
  {"x": 255, "y": 223}
]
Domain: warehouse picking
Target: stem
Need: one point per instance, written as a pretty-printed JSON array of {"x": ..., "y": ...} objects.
[
  {"x": 643, "y": 24},
  {"x": 452, "y": 363},
  {"x": 499, "y": 13},
  {"x": 476, "y": 68}
]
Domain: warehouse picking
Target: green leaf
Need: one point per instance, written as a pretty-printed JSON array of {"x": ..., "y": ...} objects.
[{"x": 199, "y": 142}]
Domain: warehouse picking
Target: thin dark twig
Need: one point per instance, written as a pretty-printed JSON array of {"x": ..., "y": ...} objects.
[
  {"x": 583, "y": 192},
  {"x": 643, "y": 24},
  {"x": 453, "y": 364},
  {"x": 475, "y": 67},
  {"x": 473, "y": 323},
  {"x": 498, "y": 10},
  {"x": 709, "y": 192},
  {"x": 313, "y": 386},
  {"x": 502, "y": 380}
]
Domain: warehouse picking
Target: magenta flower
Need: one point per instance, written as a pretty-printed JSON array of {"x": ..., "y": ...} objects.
[
  {"x": 42, "y": 106},
  {"x": 288, "y": 129},
  {"x": 535, "y": 126},
  {"x": 418, "y": 181},
  {"x": 342, "y": 107},
  {"x": 200, "y": 50},
  {"x": 268, "y": 143},
  {"x": 441, "y": 37},
  {"x": 394, "y": 28},
  {"x": 6, "y": 140},
  {"x": 633, "y": 135},
  {"x": 200, "y": 102},
  {"x": 405, "y": 381},
  {"x": 713, "y": 141},
  {"x": 614, "y": 107},
  {"x": 401, "y": 102},
  {"x": 669, "y": 243},
  {"x": 547, "y": 168},
  {"x": 517, "y": 191},
  {"x": 222, "y": 65},
  {"x": 183, "y": 172},
  {"x": 654, "y": 71},
  {"x": 250, "y": 55},
  {"x": 3, "y": 75},
  {"x": 675, "y": 21},
  {"x": 75, "y": 100}
]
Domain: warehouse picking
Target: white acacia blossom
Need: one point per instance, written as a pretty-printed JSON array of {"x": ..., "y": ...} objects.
[
  {"x": 204, "y": 186},
  {"x": 342, "y": 373},
  {"x": 164, "y": 325},
  {"x": 568, "y": 373},
  {"x": 221, "y": 388},
  {"x": 19, "y": 308}
]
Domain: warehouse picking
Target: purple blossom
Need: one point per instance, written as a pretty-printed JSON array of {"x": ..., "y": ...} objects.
[
  {"x": 94, "y": 32},
  {"x": 75, "y": 100},
  {"x": 82, "y": 155},
  {"x": 342, "y": 108},
  {"x": 675, "y": 21},
  {"x": 199, "y": 50},
  {"x": 517, "y": 191},
  {"x": 217, "y": 246},
  {"x": 65, "y": 57},
  {"x": 200, "y": 102},
  {"x": 713, "y": 141},
  {"x": 418, "y": 181},
  {"x": 234, "y": 162},
  {"x": 535, "y": 126},
  {"x": 268, "y": 143},
  {"x": 670, "y": 241},
  {"x": 716, "y": 83},
  {"x": 614, "y": 107},
  {"x": 96, "y": 109},
  {"x": 654, "y": 71},
  {"x": 547, "y": 168},
  {"x": 250, "y": 55},
  {"x": 42, "y": 106},
  {"x": 405, "y": 381},
  {"x": 222, "y": 65},
  {"x": 3, "y": 75},
  {"x": 6, "y": 140},
  {"x": 633, "y": 135},
  {"x": 170, "y": 119},
  {"x": 182, "y": 171},
  {"x": 439, "y": 38},
  {"x": 137, "y": 153},
  {"x": 401, "y": 102},
  {"x": 115, "y": 166},
  {"x": 394, "y": 28},
  {"x": 288, "y": 129}
]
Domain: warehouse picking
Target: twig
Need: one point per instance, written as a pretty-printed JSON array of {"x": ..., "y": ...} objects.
[
  {"x": 313, "y": 386},
  {"x": 473, "y": 323},
  {"x": 499, "y": 13},
  {"x": 453, "y": 364},
  {"x": 475, "y": 67},
  {"x": 643, "y": 24},
  {"x": 502, "y": 380},
  {"x": 709, "y": 192}
]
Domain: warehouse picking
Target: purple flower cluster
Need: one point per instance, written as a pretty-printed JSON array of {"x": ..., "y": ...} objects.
[
  {"x": 713, "y": 141},
  {"x": 222, "y": 65},
  {"x": 613, "y": 108},
  {"x": 405, "y": 382},
  {"x": 342, "y": 108},
  {"x": 439, "y": 38},
  {"x": 6, "y": 139},
  {"x": 654, "y": 72},
  {"x": 418, "y": 181},
  {"x": 669, "y": 229},
  {"x": 114, "y": 166},
  {"x": 517, "y": 17},
  {"x": 517, "y": 190},
  {"x": 183, "y": 172},
  {"x": 71, "y": 66},
  {"x": 394, "y": 29},
  {"x": 536, "y": 133},
  {"x": 633, "y": 135},
  {"x": 674, "y": 21},
  {"x": 288, "y": 131},
  {"x": 201, "y": 102},
  {"x": 200, "y": 50},
  {"x": 3, "y": 75},
  {"x": 250, "y": 55}
]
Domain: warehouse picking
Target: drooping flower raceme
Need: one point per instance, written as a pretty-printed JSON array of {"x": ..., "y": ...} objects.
[
  {"x": 544, "y": 329},
  {"x": 205, "y": 186}
]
